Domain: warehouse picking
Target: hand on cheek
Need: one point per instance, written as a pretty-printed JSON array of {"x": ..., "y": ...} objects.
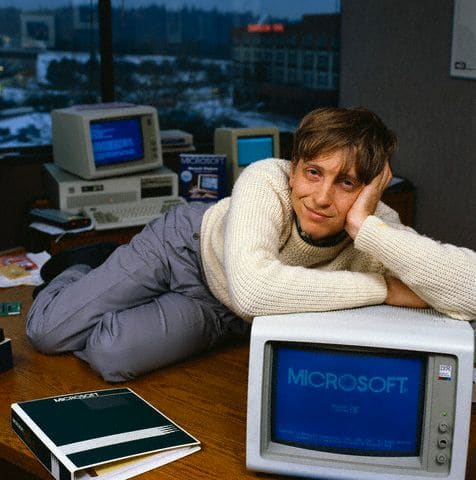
[{"x": 366, "y": 202}]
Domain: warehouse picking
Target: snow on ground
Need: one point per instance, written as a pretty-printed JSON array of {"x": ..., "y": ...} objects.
[
  {"x": 14, "y": 94},
  {"x": 217, "y": 108},
  {"x": 41, "y": 122},
  {"x": 44, "y": 59},
  {"x": 204, "y": 100},
  {"x": 207, "y": 108}
]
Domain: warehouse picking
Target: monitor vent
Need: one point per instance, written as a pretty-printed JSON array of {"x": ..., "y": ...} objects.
[{"x": 78, "y": 201}]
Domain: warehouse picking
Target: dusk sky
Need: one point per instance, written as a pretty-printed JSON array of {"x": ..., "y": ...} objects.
[{"x": 277, "y": 8}]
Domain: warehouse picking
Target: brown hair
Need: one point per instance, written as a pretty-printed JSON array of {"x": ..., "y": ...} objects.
[{"x": 358, "y": 130}]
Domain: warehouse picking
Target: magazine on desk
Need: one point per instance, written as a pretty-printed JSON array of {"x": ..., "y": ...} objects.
[
  {"x": 18, "y": 267},
  {"x": 111, "y": 434}
]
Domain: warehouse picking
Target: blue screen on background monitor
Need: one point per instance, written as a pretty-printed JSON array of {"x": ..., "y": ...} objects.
[
  {"x": 340, "y": 401},
  {"x": 251, "y": 149},
  {"x": 116, "y": 141}
]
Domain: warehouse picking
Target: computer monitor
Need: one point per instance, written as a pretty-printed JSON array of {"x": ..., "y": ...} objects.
[
  {"x": 369, "y": 393},
  {"x": 106, "y": 140},
  {"x": 243, "y": 146}
]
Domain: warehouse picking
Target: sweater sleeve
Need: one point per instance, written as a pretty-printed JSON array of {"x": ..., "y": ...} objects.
[
  {"x": 258, "y": 282},
  {"x": 441, "y": 274}
]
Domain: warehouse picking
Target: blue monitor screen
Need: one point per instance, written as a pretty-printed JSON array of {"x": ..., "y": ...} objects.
[
  {"x": 251, "y": 149},
  {"x": 349, "y": 402},
  {"x": 116, "y": 141}
]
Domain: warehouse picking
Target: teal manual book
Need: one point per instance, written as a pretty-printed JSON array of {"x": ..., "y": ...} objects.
[{"x": 111, "y": 434}]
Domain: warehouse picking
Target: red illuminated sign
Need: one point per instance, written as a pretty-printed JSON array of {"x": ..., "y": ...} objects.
[{"x": 265, "y": 28}]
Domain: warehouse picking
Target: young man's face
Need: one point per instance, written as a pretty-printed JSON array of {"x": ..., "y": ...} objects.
[{"x": 322, "y": 194}]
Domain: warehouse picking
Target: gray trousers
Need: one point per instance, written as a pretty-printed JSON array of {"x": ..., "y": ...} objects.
[{"x": 145, "y": 307}]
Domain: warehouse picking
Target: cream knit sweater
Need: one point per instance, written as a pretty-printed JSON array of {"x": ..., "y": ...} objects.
[{"x": 256, "y": 263}]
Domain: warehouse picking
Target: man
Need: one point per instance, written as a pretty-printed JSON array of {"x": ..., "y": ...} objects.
[{"x": 305, "y": 235}]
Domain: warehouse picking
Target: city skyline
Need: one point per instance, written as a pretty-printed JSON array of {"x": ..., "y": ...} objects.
[{"x": 262, "y": 8}]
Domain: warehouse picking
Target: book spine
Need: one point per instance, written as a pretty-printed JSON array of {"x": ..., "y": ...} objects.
[
  {"x": 31, "y": 440},
  {"x": 39, "y": 449}
]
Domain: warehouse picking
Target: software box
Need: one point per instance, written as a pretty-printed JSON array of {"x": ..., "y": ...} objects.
[{"x": 202, "y": 177}]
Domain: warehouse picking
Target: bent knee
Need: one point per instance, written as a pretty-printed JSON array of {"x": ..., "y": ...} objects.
[
  {"x": 111, "y": 365},
  {"x": 39, "y": 342},
  {"x": 38, "y": 336},
  {"x": 49, "y": 336}
]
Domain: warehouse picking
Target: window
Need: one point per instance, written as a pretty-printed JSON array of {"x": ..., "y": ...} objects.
[
  {"x": 49, "y": 58},
  {"x": 323, "y": 61},
  {"x": 201, "y": 63},
  {"x": 322, "y": 41},
  {"x": 292, "y": 58},
  {"x": 308, "y": 79},
  {"x": 308, "y": 59},
  {"x": 292, "y": 76},
  {"x": 323, "y": 80},
  {"x": 279, "y": 57}
]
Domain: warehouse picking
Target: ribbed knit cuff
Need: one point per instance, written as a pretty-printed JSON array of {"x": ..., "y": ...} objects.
[
  {"x": 370, "y": 234},
  {"x": 395, "y": 249}
]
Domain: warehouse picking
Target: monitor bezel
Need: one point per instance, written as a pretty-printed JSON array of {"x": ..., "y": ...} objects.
[
  {"x": 147, "y": 162},
  {"x": 271, "y": 448},
  {"x": 118, "y": 163},
  {"x": 375, "y": 352}
]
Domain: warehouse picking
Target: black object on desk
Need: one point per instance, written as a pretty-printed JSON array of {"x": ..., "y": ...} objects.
[
  {"x": 60, "y": 218},
  {"x": 6, "y": 359}
]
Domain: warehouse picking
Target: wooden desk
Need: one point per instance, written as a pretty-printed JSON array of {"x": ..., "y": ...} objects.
[{"x": 206, "y": 395}]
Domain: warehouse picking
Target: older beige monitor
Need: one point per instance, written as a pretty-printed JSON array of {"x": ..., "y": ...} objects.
[
  {"x": 374, "y": 393},
  {"x": 243, "y": 146},
  {"x": 106, "y": 140}
]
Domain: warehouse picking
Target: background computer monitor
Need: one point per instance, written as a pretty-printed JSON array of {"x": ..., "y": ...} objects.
[
  {"x": 370, "y": 393},
  {"x": 106, "y": 140},
  {"x": 243, "y": 146}
]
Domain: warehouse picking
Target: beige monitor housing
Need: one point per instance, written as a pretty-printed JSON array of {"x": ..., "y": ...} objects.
[
  {"x": 243, "y": 146},
  {"x": 73, "y": 140}
]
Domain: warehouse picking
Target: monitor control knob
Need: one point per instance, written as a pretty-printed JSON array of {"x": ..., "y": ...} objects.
[
  {"x": 441, "y": 458},
  {"x": 443, "y": 427}
]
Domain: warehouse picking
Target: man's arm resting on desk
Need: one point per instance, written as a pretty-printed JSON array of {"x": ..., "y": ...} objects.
[{"x": 442, "y": 275}]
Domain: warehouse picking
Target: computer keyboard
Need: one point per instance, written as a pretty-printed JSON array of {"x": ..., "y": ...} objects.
[{"x": 131, "y": 214}]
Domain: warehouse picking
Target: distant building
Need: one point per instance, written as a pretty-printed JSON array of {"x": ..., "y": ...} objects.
[
  {"x": 37, "y": 31},
  {"x": 291, "y": 68}
]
